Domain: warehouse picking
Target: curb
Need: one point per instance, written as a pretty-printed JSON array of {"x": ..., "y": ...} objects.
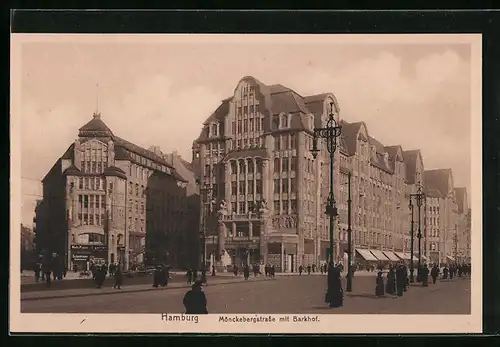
[{"x": 128, "y": 291}]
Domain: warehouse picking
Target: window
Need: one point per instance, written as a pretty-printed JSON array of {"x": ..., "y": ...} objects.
[
  {"x": 80, "y": 183},
  {"x": 277, "y": 186},
  {"x": 251, "y": 108},
  {"x": 242, "y": 207},
  {"x": 258, "y": 187},
  {"x": 239, "y": 111},
  {"x": 276, "y": 122},
  {"x": 214, "y": 129},
  {"x": 277, "y": 206},
  {"x": 130, "y": 188},
  {"x": 284, "y": 163},
  {"x": 86, "y": 183},
  {"x": 293, "y": 206},
  {"x": 242, "y": 187},
  {"x": 239, "y": 127},
  {"x": 245, "y": 125},
  {"x": 207, "y": 170},
  {"x": 293, "y": 164},
  {"x": 233, "y": 167},
  {"x": 233, "y": 188},
  {"x": 284, "y": 185},
  {"x": 293, "y": 141},
  {"x": 285, "y": 206},
  {"x": 277, "y": 165},
  {"x": 85, "y": 201},
  {"x": 250, "y": 187},
  {"x": 82, "y": 164},
  {"x": 245, "y": 110},
  {"x": 293, "y": 185},
  {"x": 233, "y": 207},
  {"x": 277, "y": 143},
  {"x": 256, "y": 108},
  {"x": 233, "y": 127},
  {"x": 251, "y": 121}
]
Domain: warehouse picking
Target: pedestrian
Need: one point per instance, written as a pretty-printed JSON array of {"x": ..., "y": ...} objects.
[
  {"x": 407, "y": 281},
  {"x": 46, "y": 268},
  {"x": 195, "y": 300},
  {"x": 235, "y": 270},
  {"x": 100, "y": 275},
  {"x": 335, "y": 294},
  {"x": 195, "y": 274},
  {"x": 165, "y": 276},
  {"x": 313, "y": 268},
  {"x": 246, "y": 272},
  {"x": 189, "y": 276},
  {"x": 424, "y": 275},
  {"x": 157, "y": 276},
  {"x": 401, "y": 277},
  {"x": 321, "y": 268},
  {"x": 273, "y": 271},
  {"x": 37, "y": 270},
  {"x": 445, "y": 272},
  {"x": 301, "y": 269},
  {"x": 390, "y": 287},
  {"x": 117, "y": 271},
  {"x": 213, "y": 270},
  {"x": 434, "y": 273},
  {"x": 308, "y": 269},
  {"x": 379, "y": 284},
  {"x": 452, "y": 271}
]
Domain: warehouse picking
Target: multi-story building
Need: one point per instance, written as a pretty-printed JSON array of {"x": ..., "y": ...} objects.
[
  {"x": 442, "y": 213},
  {"x": 254, "y": 152},
  {"x": 463, "y": 232},
  {"x": 106, "y": 198}
]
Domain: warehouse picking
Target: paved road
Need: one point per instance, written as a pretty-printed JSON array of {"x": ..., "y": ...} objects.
[{"x": 285, "y": 294}]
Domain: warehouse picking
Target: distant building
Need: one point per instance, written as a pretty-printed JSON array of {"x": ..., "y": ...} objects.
[
  {"x": 27, "y": 250},
  {"x": 107, "y": 200},
  {"x": 442, "y": 218},
  {"x": 463, "y": 225}
]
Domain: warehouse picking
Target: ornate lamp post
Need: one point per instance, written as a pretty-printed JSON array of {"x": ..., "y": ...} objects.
[
  {"x": 206, "y": 193},
  {"x": 419, "y": 197},
  {"x": 330, "y": 133}
]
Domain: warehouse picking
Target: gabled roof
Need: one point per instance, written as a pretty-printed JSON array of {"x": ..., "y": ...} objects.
[
  {"x": 69, "y": 152},
  {"x": 115, "y": 171},
  {"x": 433, "y": 193},
  {"x": 392, "y": 151},
  {"x": 350, "y": 133},
  {"x": 438, "y": 179},
  {"x": 72, "y": 170},
  {"x": 410, "y": 159},
  {"x": 119, "y": 142}
]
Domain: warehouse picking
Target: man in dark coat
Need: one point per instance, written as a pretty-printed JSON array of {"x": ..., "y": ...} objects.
[
  {"x": 313, "y": 268},
  {"x": 452, "y": 271},
  {"x": 246, "y": 272},
  {"x": 335, "y": 294},
  {"x": 100, "y": 275},
  {"x": 117, "y": 272},
  {"x": 434, "y": 273},
  {"x": 213, "y": 270},
  {"x": 235, "y": 270},
  {"x": 308, "y": 269},
  {"x": 401, "y": 277},
  {"x": 157, "y": 276},
  {"x": 379, "y": 287},
  {"x": 302, "y": 269},
  {"x": 390, "y": 286},
  {"x": 445, "y": 272},
  {"x": 165, "y": 276},
  {"x": 195, "y": 300},
  {"x": 424, "y": 275},
  {"x": 189, "y": 276},
  {"x": 272, "y": 271}
]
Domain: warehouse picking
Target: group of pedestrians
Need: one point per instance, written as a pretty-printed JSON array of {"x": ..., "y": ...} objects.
[
  {"x": 161, "y": 275},
  {"x": 49, "y": 267},
  {"x": 397, "y": 280}
]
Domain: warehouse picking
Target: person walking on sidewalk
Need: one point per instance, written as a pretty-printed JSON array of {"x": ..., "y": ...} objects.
[
  {"x": 308, "y": 269},
  {"x": 390, "y": 287},
  {"x": 301, "y": 269},
  {"x": 195, "y": 301},
  {"x": 379, "y": 287},
  {"x": 424, "y": 275},
  {"x": 434, "y": 273},
  {"x": 272, "y": 271},
  {"x": 213, "y": 270},
  {"x": 117, "y": 272},
  {"x": 189, "y": 276},
  {"x": 313, "y": 268},
  {"x": 246, "y": 272}
]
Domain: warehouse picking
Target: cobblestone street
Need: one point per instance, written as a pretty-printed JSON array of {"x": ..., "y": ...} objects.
[{"x": 285, "y": 294}]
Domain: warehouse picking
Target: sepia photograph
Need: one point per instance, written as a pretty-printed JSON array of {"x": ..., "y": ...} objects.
[{"x": 291, "y": 180}]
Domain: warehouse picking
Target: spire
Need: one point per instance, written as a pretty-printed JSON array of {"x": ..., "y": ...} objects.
[{"x": 97, "y": 114}]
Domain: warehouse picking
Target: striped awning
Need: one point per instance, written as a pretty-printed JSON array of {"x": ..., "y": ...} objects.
[
  {"x": 391, "y": 256},
  {"x": 366, "y": 254},
  {"x": 379, "y": 255},
  {"x": 408, "y": 255},
  {"x": 450, "y": 257}
]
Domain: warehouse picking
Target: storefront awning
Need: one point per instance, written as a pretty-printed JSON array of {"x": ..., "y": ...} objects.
[
  {"x": 450, "y": 257},
  {"x": 408, "y": 256},
  {"x": 366, "y": 254},
  {"x": 379, "y": 255},
  {"x": 391, "y": 256},
  {"x": 423, "y": 257},
  {"x": 400, "y": 255}
]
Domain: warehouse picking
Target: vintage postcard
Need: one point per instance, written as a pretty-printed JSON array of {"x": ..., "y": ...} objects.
[{"x": 246, "y": 183}]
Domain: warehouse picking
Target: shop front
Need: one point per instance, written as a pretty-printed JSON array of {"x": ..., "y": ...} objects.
[{"x": 84, "y": 255}]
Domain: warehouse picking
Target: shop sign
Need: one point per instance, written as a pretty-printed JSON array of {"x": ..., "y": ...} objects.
[{"x": 89, "y": 248}]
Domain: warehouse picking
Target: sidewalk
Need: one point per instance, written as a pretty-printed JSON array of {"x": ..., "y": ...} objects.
[{"x": 69, "y": 293}]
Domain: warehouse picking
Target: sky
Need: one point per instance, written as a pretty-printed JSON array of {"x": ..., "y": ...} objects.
[{"x": 159, "y": 90}]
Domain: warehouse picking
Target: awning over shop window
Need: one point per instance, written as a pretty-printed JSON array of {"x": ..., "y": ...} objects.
[
  {"x": 400, "y": 255},
  {"x": 366, "y": 254},
  {"x": 450, "y": 257},
  {"x": 379, "y": 255},
  {"x": 423, "y": 257},
  {"x": 408, "y": 257},
  {"x": 391, "y": 256}
]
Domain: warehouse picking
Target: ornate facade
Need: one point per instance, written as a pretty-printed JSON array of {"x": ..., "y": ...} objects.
[
  {"x": 106, "y": 200},
  {"x": 270, "y": 193}
]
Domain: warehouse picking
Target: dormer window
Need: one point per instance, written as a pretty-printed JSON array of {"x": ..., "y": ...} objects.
[
  {"x": 276, "y": 122},
  {"x": 207, "y": 132},
  {"x": 215, "y": 130},
  {"x": 284, "y": 121}
]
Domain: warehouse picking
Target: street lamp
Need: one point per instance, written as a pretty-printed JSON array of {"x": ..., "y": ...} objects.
[
  {"x": 330, "y": 133},
  {"x": 419, "y": 196},
  {"x": 205, "y": 192}
]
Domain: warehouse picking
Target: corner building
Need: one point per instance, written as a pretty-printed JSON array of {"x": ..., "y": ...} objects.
[
  {"x": 254, "y": 151},
  {"x": 109, "y": 200}
]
